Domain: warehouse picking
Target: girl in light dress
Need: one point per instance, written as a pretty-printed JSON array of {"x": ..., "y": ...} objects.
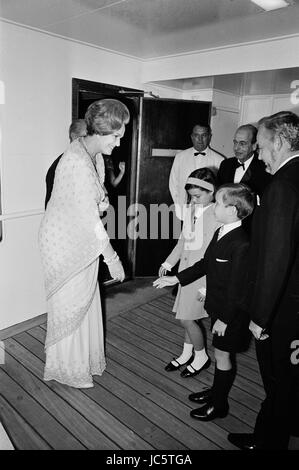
[{"x": 198, "y": 230}]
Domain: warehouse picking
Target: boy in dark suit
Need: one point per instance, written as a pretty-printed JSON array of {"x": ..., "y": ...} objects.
[{"x": 224, "y": 264}]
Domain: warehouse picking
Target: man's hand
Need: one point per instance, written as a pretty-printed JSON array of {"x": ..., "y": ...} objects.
[
  {"x": 257, "y": 331},
  {"x": 162, "y": 271},
  {"x": 165, "y": 281},
  {"x": 219, "y": 328}
]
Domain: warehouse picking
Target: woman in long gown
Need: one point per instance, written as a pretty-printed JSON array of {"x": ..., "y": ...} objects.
[{"x": 71, "y": 239}]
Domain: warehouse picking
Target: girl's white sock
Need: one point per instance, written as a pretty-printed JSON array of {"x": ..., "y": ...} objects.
[
  {"x": 200, "y": 358},
  {"x": 186, "y": 354}
]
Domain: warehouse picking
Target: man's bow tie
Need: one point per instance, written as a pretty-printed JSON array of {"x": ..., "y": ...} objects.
[
  {"x": 199, "y": 153},
  {"x": 238, "y": 164}
]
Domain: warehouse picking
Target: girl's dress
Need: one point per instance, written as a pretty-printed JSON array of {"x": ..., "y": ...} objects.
[
  {"x": 198, "y": 230},
  {"x": 71, "y": 239}
]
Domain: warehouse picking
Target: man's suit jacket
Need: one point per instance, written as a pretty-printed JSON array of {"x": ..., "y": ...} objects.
[
  {"x": 224, "y": 264},
  {"x": 255, "y": 177},
  {"x": 50, "y": 179},
  {"x": 274, "y": 254}
]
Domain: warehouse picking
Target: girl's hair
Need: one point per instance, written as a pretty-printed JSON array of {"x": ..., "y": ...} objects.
[
  {"x": 106, "y": 116},
  {"x": 204, "y": 174}
]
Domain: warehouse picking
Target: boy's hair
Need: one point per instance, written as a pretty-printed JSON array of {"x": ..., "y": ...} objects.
[
  {"x": 240, "y": 196},
  {"x": 204, "y": 174}
]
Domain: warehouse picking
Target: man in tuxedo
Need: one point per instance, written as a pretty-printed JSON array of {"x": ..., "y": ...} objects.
[
  {"x": 273, "y": 295},
  {"x": 199, "y": 156},
  {"x": 77, "y": 129},
  {"x": 245, "y": 167}
]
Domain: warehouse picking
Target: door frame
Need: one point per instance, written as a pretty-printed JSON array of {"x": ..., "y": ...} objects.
[{"x": 81, "y": 86}]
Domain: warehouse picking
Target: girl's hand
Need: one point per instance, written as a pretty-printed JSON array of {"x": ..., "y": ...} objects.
[
  {"x": 122, "y": 167},
  {"x": 219, "y": 328},
  {"x": 165, "y": 281},
  {"x": 162, "y": 271}
]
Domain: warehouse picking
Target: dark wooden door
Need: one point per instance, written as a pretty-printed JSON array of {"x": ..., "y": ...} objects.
[
  {"x": 85, "y": 93},
  {"x": 165, "y": 126}
]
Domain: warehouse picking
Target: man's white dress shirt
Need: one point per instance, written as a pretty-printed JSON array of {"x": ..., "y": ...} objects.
[{"x": 184, "y": 163}]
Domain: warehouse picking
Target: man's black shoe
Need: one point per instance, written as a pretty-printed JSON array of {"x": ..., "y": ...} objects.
[
  {"x": 209, "y": 412},
  {"x": 242, "y": 441},
  {"x": 201, "y": 397}
]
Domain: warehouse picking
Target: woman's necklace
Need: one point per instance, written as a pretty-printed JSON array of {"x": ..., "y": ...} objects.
[
  {"x": 93, "y": 159},
  {"x": 100, "y": 171}
]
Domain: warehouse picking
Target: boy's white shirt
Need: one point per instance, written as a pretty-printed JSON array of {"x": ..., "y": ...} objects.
[{"x": 225, "y": 228}]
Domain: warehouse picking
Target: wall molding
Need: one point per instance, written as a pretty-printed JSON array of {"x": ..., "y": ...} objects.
[
  {"x": 220, "y": 48},
  {"x": 75, "y": 41},
  {"x": 21, "y": 215},
  {"x": 152, "y": 59},
  {"x": 225, "y": 108}
]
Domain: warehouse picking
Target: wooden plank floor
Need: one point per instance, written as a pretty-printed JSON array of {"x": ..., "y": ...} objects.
[{"x": 134, "y": 405}]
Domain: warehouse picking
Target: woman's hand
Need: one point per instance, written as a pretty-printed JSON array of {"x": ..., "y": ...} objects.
[
  {"x": 116, "y": 270},
  {"x": 165, "y": 281},
  {"x": 162, "y": 271}
]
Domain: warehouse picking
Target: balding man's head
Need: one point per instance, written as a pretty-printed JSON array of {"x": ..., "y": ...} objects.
[
  {"x": 244, "y": 142},
  {"x": 77, "y": 129},
  {"x": 251, "y": 129}
]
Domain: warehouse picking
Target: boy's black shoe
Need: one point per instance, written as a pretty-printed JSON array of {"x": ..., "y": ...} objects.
[
  {"x": 201, "y": 397},
  {"x": 208, "y": 412}
]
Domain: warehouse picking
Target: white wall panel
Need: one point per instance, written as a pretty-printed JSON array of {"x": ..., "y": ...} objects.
[
  {"x": 37, "y": 71},
  {"x": 21, "y": 279},
  {"x": 224, "y": 125},
  {"x": 254, "y": 108}
]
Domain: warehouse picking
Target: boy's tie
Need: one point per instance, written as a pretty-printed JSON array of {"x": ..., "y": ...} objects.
[
  {"x": 199, "y": 153},
  {"x": 220, "y": 232}
]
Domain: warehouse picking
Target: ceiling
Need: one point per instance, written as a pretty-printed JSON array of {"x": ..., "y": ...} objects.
[{"x": 148, "y": 29}]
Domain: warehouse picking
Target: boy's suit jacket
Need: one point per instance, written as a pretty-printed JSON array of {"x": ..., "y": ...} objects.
[
  {"x": 224, "y": 264},
  {"x": 255, "y": 177}
]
